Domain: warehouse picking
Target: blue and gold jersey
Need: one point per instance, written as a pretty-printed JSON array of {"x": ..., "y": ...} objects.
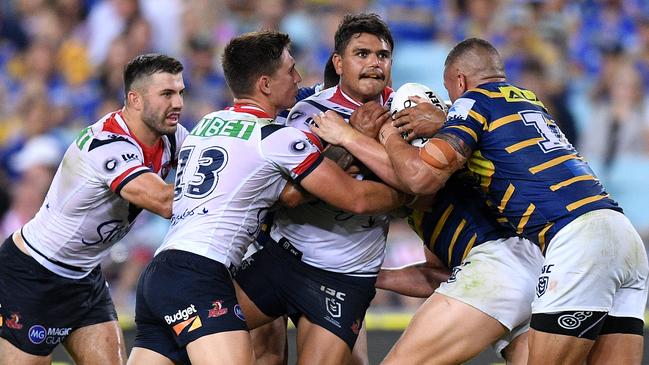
[
  {"x": 458, "y": 221},
  {"x": 524, "y": 165}
]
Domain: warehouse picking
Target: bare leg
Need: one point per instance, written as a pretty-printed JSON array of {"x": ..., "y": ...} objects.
[
  {"x": 142, "y": 356},
  {"x": 101, "y": 343},
  {"x": 459, "y": 333},
  {"x": 517, "y": 351},
  {"x": 232, "y": 347},
  {"x": 359, "y": 353},
  {"x": 549, "y": 348},
  {"x": 617, "y": 348},
  {"x": 10, "y": 355},
  {"x": 270, "y": 343},
  {"x": 318, "y": 346}
]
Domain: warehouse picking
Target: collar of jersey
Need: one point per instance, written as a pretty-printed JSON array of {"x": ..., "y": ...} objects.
[{"x": 251, "y": 109}]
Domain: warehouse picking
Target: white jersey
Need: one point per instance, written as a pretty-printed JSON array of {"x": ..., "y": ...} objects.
[
  {"x": 330, "y": 238},
  {"x": 232, "y": 168},
  {"x": 83, "y": 214}
]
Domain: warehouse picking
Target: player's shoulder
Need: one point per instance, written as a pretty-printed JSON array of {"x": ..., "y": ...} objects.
[{"x": 109, "y": 133}]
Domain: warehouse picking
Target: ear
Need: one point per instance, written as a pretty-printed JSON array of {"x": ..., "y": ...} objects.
[
  {"x": 134, "y": 100},
  {"x": 338, "y": 63},
  {"x": 462, "y": 82},
  {"x": 263, "y": 84}
]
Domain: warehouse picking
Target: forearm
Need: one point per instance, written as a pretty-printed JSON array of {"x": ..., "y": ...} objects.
[
  {"x": 417, "y": 280},
  {"x": 372, "y": 197},
  {"x": 370, "y": 152},
  {"x": 416, "y": 176}
]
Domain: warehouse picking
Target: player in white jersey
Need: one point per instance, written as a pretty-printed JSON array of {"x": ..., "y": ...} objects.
[
  {"x": 113, "y": 170},
  {"x": 330, "y": 258},
  {"x": 232, "y": 167}
]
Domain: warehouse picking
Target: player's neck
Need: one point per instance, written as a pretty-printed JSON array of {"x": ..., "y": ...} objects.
[
  {"x": 266, "y": 106},
  {"x": 139, "y": 129},
  {"x": 357, "y": 98}
]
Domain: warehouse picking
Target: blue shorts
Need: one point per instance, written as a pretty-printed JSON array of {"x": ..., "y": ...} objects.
[
  {"x": 39, "y": 309},
  {"x": 279, "y": 283},
  {"x": 181, "y": 297}
]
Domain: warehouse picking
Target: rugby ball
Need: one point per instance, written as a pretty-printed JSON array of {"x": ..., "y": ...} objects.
[{"x": 400, "y": 101}]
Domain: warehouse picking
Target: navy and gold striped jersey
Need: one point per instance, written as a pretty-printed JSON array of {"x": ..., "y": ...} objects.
[
  {"x": 458, "y": 221},
  {"x": 525, "y": 166}
]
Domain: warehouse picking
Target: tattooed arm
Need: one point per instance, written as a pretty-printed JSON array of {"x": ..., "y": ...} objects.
[{"x": 424, "y": 170}]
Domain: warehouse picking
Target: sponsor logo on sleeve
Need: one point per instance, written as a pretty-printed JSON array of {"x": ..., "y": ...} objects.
[
  {"x": 110, "y": 164},
  {"x": 460, "y": 109},
  {"x": 298, "y": 146}
]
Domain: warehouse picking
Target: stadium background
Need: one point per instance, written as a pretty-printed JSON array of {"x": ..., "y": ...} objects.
[{"x": 61, "y": 64}]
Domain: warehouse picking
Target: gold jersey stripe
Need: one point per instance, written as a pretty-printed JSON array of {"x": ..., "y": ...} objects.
[
  {"x": 520, "y": 145},
  {"x": 581, "y": 202},
  {"x": 466, "y": 130},
  {"x": 555, "y": 161},
  {"x": 477, "y": 116},
  {"x": 491, "y": 94},
  {"x": 508, "y": 194},
  {"x": 439, "y": 226},
  {"x": 526, "y": 217},
  {"x": 542, "y": 235},
  {"x": 454, "y": 240},
  {"x": 573, "y": 180},
  {"x": 504, "y": 120},
  {"x": 469, "y": 246},
  {"x": 502, "y": 220},
  {"x": 417, "y": 218}
]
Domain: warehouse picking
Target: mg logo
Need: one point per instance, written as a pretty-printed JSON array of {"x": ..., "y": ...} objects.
[{"x": 36, "y": 334}]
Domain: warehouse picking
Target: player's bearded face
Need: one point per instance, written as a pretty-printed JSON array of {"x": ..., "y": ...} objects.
[
  {"x": 365, "y": 68},
  {"x": 163, "y": 102}
]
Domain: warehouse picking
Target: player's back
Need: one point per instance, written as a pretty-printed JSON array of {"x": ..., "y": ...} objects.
[
  {"x": 330, "y": 238},
  {"x": 527, "y": 168},
  {"x": 231, "y": 169}
]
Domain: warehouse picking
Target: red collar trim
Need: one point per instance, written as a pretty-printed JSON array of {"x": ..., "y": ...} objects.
[{"x": 250, "y": 109}]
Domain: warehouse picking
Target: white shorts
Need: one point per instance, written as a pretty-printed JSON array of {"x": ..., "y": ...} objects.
[
  {"x": 498, "y": 278},
  {"x": 595, "y": 263}
]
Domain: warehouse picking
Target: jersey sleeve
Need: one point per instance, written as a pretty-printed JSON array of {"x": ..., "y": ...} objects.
[
  {"x": 466, "y": 119},
  {"x": 293, "y": 151},
  {"x": 301, "y": 116},
  {"x": 116, "y": 160}
]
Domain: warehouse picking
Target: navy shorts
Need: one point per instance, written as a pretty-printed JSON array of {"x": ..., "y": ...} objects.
[
  {"x": 181, "y": 297},
  {"x": 279, "y": 283},
  {"x": 39, "y": 309}
]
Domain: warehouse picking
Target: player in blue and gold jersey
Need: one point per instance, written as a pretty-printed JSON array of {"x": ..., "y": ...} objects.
[
  {"x": 494, "y": 271},
  {"x": 592, "y": 290}
]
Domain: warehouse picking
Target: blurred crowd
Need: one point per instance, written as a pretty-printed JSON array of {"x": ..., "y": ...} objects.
[{"x": 61, "y": 69}]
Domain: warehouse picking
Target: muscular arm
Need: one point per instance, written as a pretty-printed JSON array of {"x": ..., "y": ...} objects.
[
  {"x": 424, "y": 171},
  {"x": 150, "y": 192},
  {"x": 331, "y": 184},
  {"x": 416, "y": 280},
  {"x": 332, "y": 128}
]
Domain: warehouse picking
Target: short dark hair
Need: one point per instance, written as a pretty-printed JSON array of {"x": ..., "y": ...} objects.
[
  {"x": 250, "y": 56},
  {"x": 468, "y": 45},
  {"x": 331, "y": 78},
  {"x": 361, "y": 23},
  {"x": 148, "y": 64}
]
